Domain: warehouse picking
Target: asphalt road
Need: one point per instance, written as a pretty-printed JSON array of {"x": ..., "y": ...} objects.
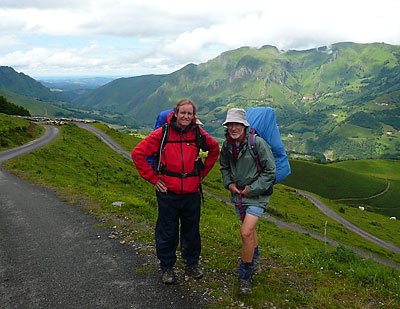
[{"x": 52, "y": 255}]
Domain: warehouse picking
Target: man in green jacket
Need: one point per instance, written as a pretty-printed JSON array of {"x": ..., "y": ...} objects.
[{"x": 247, "y": 185}]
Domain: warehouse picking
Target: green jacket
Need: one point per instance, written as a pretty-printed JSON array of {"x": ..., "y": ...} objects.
[{"x": 245, "y": 172}]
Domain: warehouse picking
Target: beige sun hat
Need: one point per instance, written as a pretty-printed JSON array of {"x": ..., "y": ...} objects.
[{"x": 237, "y": 115}]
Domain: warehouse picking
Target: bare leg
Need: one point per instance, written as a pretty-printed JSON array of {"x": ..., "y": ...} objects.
[
  {"x": 249, "y": 237},
  {"x": 255, "y": 239}
]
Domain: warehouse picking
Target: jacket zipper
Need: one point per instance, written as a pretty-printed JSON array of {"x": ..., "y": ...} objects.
[{"x": 180, "y": 136}]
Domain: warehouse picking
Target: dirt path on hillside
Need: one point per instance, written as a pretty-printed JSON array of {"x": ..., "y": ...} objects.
[
  {"x": 365, "y": 198},
  {"x": 55, "y": 255},
  {"x": 281, "y": 224}
]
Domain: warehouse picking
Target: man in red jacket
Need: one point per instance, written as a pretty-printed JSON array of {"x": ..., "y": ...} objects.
[{"x": 177, "y": 181}]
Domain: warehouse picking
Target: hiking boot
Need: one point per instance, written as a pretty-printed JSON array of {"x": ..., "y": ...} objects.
[
  {"x": 256, "y": 270},
  {"x": 245, "y": 286},
  {"x": 257, "y": 266},
  {"x": 245, "y": 277},
  {"x": 194, "y": 272},
  {"x": 256, "y": 263},
  {"x": 168, "y": 276}
]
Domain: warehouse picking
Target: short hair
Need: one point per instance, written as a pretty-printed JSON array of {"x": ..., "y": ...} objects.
[{"x": 184, "y": 102}]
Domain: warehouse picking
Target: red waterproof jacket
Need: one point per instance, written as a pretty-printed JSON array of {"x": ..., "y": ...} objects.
[{"x": 178, "y": 157}]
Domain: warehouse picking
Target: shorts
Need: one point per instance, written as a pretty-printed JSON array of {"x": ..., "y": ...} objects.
[{"x": 251, "y": 210}]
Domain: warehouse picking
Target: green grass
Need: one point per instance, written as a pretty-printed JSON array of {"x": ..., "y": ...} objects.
[
  {"x": 349, "y": 130},
  {"x": 385, "y": 169},
  {"x": 388, "y": 170},
  {"x": 332, "y": 182},
  {"x": 120, "y": 138},
  {"x": 297, "y": 272},
  {"x": 16, "y": 131}
]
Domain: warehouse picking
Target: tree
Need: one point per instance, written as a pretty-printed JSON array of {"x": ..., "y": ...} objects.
[{"x": 11, "y": 108}]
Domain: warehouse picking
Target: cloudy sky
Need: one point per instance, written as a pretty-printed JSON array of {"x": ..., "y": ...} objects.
[{"x": 136, "y": 37}]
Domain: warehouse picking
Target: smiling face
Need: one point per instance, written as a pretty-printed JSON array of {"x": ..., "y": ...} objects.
[
  {"x": 235, "y": 129},
  {"x": 184, "y": 116}
]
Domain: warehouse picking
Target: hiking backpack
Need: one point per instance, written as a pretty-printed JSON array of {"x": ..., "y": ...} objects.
[
  {"x": 160, "y": 121},
  {"x": 262, "y": 122}
]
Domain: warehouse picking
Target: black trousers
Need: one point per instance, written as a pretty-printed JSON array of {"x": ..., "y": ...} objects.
[{"x": 172, "y": 209}]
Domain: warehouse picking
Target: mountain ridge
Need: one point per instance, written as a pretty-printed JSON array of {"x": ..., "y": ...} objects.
[{"x": 315, "y": 92}]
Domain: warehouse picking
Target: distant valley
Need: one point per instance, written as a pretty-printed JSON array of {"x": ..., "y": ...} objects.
[{"x": 335, "y": 102}]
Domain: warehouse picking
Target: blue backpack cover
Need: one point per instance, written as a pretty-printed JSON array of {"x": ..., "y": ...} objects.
[
  {"x": 160, "y": 120},
  {"x": 263, "y": 120}
]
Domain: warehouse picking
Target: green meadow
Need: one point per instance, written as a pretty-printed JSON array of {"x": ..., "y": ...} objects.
[
  {"x": 298, "y": 270},
  {"x": 354, "y": 183}
]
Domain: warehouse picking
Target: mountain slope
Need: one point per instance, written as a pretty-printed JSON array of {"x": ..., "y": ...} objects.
[
  {"x": 24, "y": 85},
  {"x": 331, "y": 102}
]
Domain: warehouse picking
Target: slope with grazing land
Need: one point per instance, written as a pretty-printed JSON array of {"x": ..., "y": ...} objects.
[
  {"x": 297, "y": 271},
  {"x": 388, "y": 170},
  {"x": 355, "y": 183}
]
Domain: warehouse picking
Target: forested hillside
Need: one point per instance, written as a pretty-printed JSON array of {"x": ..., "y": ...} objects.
[{"x": 12, "y": 109}]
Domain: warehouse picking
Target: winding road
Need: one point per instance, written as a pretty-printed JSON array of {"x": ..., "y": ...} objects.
[{"x": 52, "y": 255}]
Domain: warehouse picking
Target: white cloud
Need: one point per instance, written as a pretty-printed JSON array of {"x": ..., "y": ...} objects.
[{"x": 151, "y": 36}]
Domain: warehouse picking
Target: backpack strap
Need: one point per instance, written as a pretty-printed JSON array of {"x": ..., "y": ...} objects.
[
  {"x": 164, "y": 140},
  {"x": 253, "y": 150},
  {"x": 254, "y": 154},
  {"x": 198, "y": 165}
]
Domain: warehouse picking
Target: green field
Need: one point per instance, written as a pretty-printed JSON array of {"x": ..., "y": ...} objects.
[
  {"x": 352, "y": 182},
  {"x": 332, "y": 182},
  {"x": 348, "y": 130},
  {"x": 297, "y": 271},
  {"x": 388, "y": 170}
]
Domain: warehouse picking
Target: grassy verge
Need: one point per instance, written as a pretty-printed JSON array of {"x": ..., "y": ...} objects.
[
  {"x": 297, "y": 270},
  {"x": 16, "y": 131}
]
